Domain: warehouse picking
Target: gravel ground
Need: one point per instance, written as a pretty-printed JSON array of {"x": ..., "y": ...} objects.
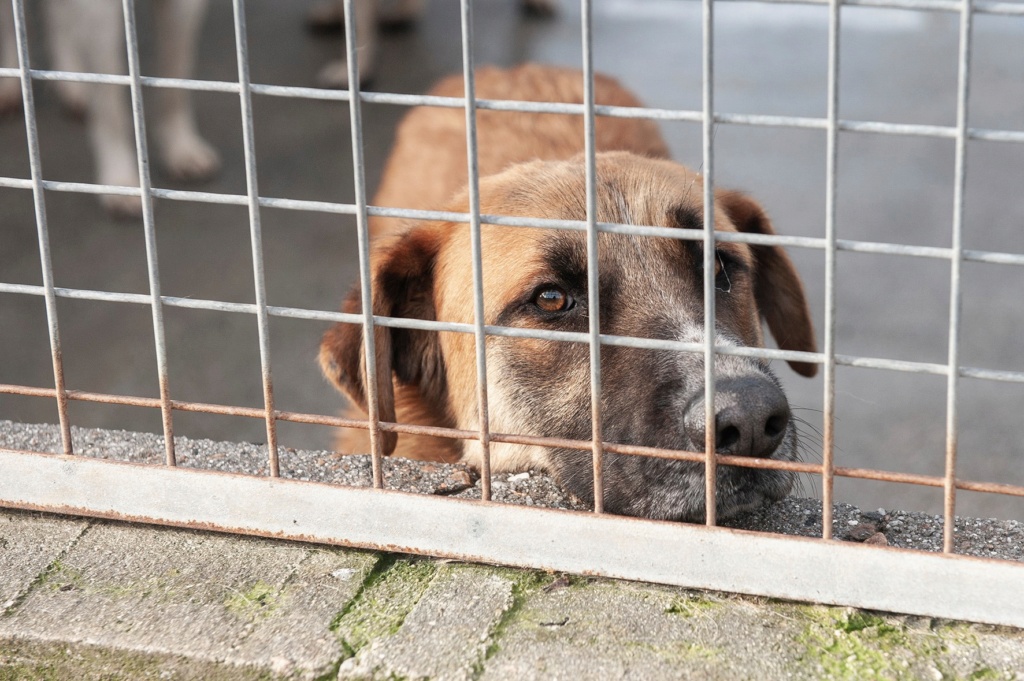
[{"x": 990, "y": 538}]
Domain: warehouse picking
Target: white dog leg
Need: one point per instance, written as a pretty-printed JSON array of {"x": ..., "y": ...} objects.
[
  {"x": 335, "y": 74},
  {"x": 61, "y": 23},
  {"x": 185, "y": 154},
  {"x": 99, "y": 40}
]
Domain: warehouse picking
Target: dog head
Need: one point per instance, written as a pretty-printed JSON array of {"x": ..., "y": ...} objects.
[{"x": 650, "y": 287}]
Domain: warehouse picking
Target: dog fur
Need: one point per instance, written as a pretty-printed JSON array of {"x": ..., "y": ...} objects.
[
  {"x": 89, "y": 36},
  {"x": 531, "y": 165}
]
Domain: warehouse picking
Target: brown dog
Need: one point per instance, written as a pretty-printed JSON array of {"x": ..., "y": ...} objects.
[{"x": 536, "y": 278}]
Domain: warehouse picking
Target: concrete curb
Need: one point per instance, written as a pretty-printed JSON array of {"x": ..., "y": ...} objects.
[{"x": 91, "y": 599}]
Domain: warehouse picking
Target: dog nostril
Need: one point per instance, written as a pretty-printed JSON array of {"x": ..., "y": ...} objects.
[
  {"x": 727, "y": 437},
  {"x": 775, "y": 426}
]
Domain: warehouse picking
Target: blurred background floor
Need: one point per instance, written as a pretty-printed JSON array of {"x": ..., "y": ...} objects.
[{"x": 897, "y": 66}]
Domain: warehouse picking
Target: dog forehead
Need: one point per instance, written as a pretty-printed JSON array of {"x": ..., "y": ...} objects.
[{"x": 631, "y": 190}]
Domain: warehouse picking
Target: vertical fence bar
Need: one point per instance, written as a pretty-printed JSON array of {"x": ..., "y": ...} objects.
[
  {"x": 952, "y": 380},
  {"x": 831, "y": 159},
  {"x": 708, "y": 131},
  {"x": 359, "y": 173},
  {"x": 255, "y": 230},
  {"x": 593, "y": 280},
  {"x": 39, "y": 199},
  {"x": 142, "y": 152},
  {"x": 475, "y": 238}
]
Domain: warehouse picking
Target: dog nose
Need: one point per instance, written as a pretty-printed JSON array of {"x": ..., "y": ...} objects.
[{"x": 751, "y": 417}]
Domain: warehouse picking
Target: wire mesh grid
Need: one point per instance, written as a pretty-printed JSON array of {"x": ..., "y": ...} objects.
[{"x": 708, "y": 117}]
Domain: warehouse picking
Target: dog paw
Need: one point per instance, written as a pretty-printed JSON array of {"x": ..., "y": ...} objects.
[
  {"x": 10, "y": 96},
  {"x": 539, "y": 8},
  {"x": 191, "y": 159},
  {"x": 122, "y": 207},
  {"x": 335, "y": 75}
]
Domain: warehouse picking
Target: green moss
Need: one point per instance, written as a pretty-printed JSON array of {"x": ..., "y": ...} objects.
[
  {"x": 58, "y": 661},
  {"x": 691, "y": 605},
  {"x": 390, "y": 592},
  {"x": 59, "y": 576},
  {"x": 524, "y": 583},
  {"x": 678, "y": 651},
  {"x": 256, "y": 602},
  {"x": 853, "y": 644},
  {"x": 989, "y": 674}
]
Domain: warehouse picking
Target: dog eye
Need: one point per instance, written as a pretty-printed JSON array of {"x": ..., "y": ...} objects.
[{"x": 553, "y": 299}]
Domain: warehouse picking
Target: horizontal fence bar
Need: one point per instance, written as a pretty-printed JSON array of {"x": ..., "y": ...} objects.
[
  {"x": 678, "y": 115},
  {"x": 511, "y": 438},
  {"x": 952, "y": 6},
  {"x": 796, "y": 568},
  {"x": 528, "y": 333},
  {"x": 883, "y": 248}
]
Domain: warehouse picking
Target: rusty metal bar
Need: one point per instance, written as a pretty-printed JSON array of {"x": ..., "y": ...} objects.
[
  {"x": 593, "y": 246},
  {"x": 42, "y": 228},
  {"x": 538, "y": 440},
  {"x": 473, "y": 186},
  {"x": 695, "y": 556},
  {"x": 149, "y": 227},
  {"x": 362, "y": 230},
  {"x": 829, "y": 365},
  {"x": 255, "y": 230},
  {"x": 708, "y": 139},
  {"x": 953, "y": 376}
]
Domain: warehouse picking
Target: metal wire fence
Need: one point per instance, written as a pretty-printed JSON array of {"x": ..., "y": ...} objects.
[{"x": 983, "y": 583}]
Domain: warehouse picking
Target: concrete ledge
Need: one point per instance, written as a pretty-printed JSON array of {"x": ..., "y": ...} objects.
[
  {"x": 97, "y": 600},
  {"x": 982, "y": 537}
]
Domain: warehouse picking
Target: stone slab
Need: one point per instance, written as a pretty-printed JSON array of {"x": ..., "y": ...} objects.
[
  {"x": 446, "y": 634},
  {"x": 578, "y": 629},
  {"x": 200, "y": 595},
  {"x": 29, "y": 542}
]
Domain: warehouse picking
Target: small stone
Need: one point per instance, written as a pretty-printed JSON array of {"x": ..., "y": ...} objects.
[
  {"x": 877, "y": 539},
  {"x": 873, "y": 516},
  {"x": 562, "y": 582},
  {"x": 281, "y": 665},
  {"x": 862, "y": 531},
  {"x": 519, "y": 477}
]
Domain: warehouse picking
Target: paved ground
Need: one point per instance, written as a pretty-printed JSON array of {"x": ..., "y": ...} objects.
[
  {"x": 897, "y": 66},
  {"x": 191, "y": 605},
  {"x": 93, "y": 599}
]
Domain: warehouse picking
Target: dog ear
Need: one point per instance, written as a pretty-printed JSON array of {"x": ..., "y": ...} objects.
[
  {"x": 402, "y": 275},
  {"x": 777, "y": 287}
]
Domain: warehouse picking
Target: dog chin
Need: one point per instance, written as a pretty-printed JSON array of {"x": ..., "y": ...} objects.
[{"x": 738, "y": 492}]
